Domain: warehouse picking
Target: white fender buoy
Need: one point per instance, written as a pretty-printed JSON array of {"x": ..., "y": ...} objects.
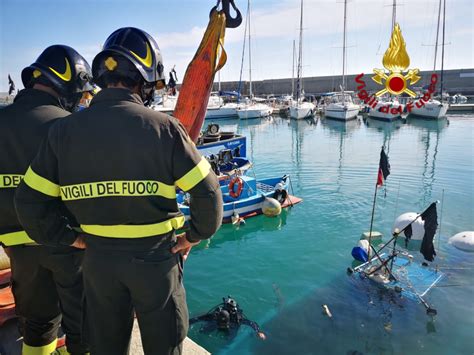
[
  {"x": 271, "y": 207},
  {"x": 4, "y": 260},
  {"x": 364, "y": 244},
  {"x": 463, "y": 241},
  {"x": 417, "y": 227}
]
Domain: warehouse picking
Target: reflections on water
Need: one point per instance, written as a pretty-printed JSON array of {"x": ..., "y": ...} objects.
[{"x": 281, "y": 270}]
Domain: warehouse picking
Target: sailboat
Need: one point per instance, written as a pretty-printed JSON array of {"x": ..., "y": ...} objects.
[
  {"x": 300, "y": 109},
  {"x": 435, "y": 109},
  {"x": 217, "y": 108},
  {"x": 384, "y": 110},
  {"x": 341, "y": 106},
  {"x": 252, "y": 109},
  {"x": 395, "y": 269}
]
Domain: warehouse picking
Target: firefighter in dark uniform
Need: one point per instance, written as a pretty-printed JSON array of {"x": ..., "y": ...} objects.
[
  {"x": 46, "y": 281},
  {"x": 116, "y": 166}
]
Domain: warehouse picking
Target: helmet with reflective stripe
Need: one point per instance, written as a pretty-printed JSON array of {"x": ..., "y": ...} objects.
[
  {"x": 138, "y": 47},
  {"x": 65, "y": 69}
]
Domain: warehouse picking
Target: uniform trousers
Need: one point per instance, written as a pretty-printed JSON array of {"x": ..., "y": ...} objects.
[
  {"x": 48, "y": 289},
  {"x": 134, "y": 279}
]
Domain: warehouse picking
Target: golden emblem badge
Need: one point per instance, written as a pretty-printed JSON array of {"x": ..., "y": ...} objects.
[{"x": 396, "y": 61}]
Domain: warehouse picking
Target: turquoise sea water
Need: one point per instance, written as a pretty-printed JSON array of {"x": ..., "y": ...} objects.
[{"x": 281, "y": 270}]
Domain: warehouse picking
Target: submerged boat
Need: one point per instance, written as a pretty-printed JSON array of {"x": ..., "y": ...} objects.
[
  {"x": 395, "y": 269},
  {"x": 244, "y": 196}
]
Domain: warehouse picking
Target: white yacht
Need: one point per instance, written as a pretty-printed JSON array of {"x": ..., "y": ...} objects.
[
  {"x": 341, "y": 107},
  {"x": 432, "y": 109},
  {"x": 387, "y": 110},
  {"x": 254, "y": 110}
]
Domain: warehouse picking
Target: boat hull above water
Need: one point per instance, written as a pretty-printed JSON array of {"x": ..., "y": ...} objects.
[
  {"x": 254, "y": 111},
  {"x": 342, "y": 113},
  {"x": 250, "y": 202},
  {"x": 302, "y": 111},
  {"x": 432, "y": 109}
]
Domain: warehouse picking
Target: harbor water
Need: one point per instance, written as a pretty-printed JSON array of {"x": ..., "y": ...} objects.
[{"x": 282, "y": 270}]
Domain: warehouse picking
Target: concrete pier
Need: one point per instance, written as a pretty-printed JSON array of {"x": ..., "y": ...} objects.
[{"x": 10, "y": 342}]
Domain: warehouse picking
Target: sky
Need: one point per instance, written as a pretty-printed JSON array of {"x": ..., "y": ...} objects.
[{"x": 27, "y": 27}]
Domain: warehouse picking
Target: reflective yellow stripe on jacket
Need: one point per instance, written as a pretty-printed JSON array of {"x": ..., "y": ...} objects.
[
  {"x": 39, "y": 183},
  {"x": 10, "y": 180},
  {"x": 194, "y": 176},
  {"x": 134, "y": 231},
  {"x": 129, "y": 188},
  {"x": 15, "y": 238}
]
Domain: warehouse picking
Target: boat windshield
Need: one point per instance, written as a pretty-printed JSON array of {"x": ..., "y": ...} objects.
[{"x": 341, "y": 97}]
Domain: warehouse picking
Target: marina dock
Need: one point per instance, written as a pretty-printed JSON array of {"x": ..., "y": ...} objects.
[{"x": 10, "y": 343}]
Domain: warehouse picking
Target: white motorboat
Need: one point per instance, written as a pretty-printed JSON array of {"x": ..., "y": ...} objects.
[
  {"x": 254, "y": 110},
  {"x": 228, "y": 110}
]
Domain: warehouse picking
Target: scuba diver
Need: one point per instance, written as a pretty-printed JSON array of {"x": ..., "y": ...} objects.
[{"x": 226, "y": 316}]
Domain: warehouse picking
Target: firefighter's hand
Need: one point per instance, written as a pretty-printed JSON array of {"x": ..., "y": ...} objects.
[
  {"x": 262, "y": 335},
  {"x": 183, "y": 246},
  {"x": 80, "y": 242}
]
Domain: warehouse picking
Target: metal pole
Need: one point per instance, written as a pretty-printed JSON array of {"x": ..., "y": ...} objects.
[
  {"x": 442, "y": 49},
  {"x": 250, "y": 57},
  {"x": 344, "y": 51},
  {"x": 300, "y": 58},
  {"x": 293, "y": 72},
  {"x": 372, "y": 218},
  {"x": 437, "y": 37}
]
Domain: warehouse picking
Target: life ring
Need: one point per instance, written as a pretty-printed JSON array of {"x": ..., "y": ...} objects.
[{"x": 240, "y": 184}]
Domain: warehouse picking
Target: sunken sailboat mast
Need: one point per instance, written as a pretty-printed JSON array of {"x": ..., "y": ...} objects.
[{"x": 383, "y": 173}]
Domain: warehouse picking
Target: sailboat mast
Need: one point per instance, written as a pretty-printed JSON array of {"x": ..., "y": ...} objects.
[
  {"x": 442, "y": 49},
  {"x": 437, "y": 36},
  {"x": 293, "y": 72},
  {"x": 344, "y": 50},
  {"x": 394, "y": 14},
  {"x": 300, "y": 55},
  {"x": 250, "y": 57},
  {"x": 239, "y": 90}
]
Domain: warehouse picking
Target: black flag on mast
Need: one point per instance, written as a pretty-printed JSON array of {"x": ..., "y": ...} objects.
[
  {"x": 430, "y": 217},
  {"x": 11, "y": 85},
  {"x": 384, "y": 168}
]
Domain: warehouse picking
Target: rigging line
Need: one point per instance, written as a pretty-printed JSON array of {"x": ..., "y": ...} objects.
[
  {"x": 243, "y": 58},
  {"x": 440, "y": 219},
  {"x": 396, "y": 203}
]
